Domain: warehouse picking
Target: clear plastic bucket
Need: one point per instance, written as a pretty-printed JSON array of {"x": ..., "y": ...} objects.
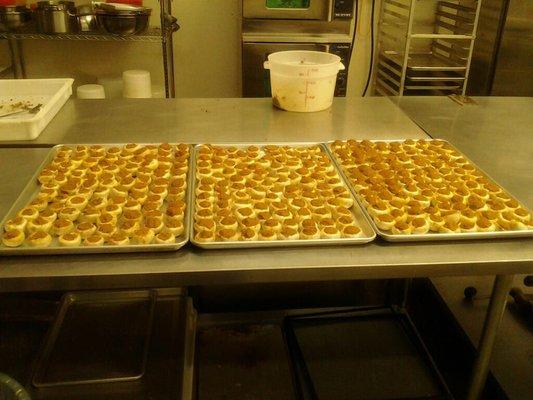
[{"x": 303, "y": 81}]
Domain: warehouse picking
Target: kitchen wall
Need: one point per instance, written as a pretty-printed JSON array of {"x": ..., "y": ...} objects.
[{"x": 207, "y": 52}]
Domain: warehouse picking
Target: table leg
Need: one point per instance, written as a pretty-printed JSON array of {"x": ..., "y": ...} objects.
[
  {"x": 405, "y": 295},
  {"x": 498, "y": 301}
]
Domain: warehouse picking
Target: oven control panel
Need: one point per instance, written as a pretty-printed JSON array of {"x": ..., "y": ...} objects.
[
  {"x": 344, "y": 51},
  {"x": 343, "y": 9}
]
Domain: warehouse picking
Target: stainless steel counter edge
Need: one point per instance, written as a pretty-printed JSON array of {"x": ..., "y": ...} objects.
[
  {"x": 192, "y": 266},
  {"x": 214, "y": 277}
]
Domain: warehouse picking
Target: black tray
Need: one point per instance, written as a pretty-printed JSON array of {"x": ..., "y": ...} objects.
[{"x": 366, "y": 354}]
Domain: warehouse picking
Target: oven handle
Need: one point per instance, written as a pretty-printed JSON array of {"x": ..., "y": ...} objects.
[{"x": 330, "y": 10}]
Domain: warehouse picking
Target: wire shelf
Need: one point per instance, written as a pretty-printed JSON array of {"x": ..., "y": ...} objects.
[{"x": 153, "y": 35}]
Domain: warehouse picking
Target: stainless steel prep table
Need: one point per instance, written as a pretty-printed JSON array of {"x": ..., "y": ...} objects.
[
  {"x": 193, "y": 266},
  {"x": 494, "y": 132},
  {"x": 218, "y": 120}
]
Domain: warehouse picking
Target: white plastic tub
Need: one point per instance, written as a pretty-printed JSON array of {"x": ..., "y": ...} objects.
[
  {"x": 51, "y": 93},
  {"x": 303, "y": 81}
]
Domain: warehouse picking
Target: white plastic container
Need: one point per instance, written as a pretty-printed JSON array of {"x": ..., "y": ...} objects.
[
  {"x": 51, "y": 93},
  {"x": 112, "y": 86},
  {"x": 137, "y": 84},
  {"x": 303, "y": 81},
  {"x": 158, "y": 92},
  {"x": 90, "y": 91}
]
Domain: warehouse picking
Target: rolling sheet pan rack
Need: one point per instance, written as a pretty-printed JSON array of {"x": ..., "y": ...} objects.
[{"x": 422, "y": 39}]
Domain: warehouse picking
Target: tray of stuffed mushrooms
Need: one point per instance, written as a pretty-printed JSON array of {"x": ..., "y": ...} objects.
[
  {"x": 423, "y": 190},
  {"x": 272, "y": 195},
  {"x": 103, "y": 199}
]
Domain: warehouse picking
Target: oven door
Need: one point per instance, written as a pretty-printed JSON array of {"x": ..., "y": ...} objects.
[
  {"x": 256, "y": 79},
  {"x": 288, "y": 9}
]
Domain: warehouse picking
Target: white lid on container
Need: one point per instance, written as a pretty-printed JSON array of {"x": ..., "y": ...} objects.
[
  {"x": 303, "y": 63},
  {"x": 90, "y": 91},
  {"x": 137, "y": 84}
]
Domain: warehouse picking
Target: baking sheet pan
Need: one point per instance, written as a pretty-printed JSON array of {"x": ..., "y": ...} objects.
[
  {"x": 437, "y": 76},
  {"x": 363, "y": 354},
  {"x": 431, "y": 236},
  {"x": 431, "y": 86},
  {"x": 110, "y": 353},
  {"x": 368, "y": 233},
  {"x": 169, "y": 362},
  {"x": 33, "y": 187},
  {"x": 424, "y": 62}
]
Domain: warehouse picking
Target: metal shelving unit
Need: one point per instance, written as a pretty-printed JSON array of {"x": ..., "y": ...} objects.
[
  {"x": 425, "y": 47},
  {"x": 152, "y": 35},
  {"x": 161, "y": 35}
]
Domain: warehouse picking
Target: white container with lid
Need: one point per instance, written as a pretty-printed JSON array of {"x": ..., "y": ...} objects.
[
  {"x": 90, "y": 91},
  {"x": 52, "y": 94},
  {"x": 137, "y": 84},
  {"x": 112, "y": 86},
  {"x": 303, "y": 81}
]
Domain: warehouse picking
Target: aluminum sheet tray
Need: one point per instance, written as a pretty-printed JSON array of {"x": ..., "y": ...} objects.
[
  {"x": 110, "y": 354},
  {"x": 89, "y": 354},
  {"x": 55, "y": 248},
  {"x": 361, "y": 218},
  {"x": 432, "y": 236},
  {"x": 424, "y": 62},
  {"x": 433, "y": 85}
]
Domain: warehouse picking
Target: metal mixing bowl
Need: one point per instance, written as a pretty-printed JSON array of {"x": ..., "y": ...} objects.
[{"x": 123, "y": 22}]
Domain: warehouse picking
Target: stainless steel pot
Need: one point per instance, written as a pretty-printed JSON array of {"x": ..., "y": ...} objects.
[
  {"x": 87, "y": 18},
  {"x": 56, "y": 17},
  {"x": 14, "y": 18}
]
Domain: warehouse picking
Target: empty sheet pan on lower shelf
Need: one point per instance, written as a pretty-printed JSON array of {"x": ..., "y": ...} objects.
[
  {"x": 168, "y": 368},
  {"x": 88, "y": 342},
  {"x": 372, "y": 354}
]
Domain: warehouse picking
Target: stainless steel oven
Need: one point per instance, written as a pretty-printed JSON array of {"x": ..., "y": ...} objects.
[
  {"x": 278, "y": 25},
  {"x": 323, "y": 10}
]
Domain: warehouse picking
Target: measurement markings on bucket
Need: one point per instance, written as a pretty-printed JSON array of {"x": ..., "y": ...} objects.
[{"x": 307, "y": 83}]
